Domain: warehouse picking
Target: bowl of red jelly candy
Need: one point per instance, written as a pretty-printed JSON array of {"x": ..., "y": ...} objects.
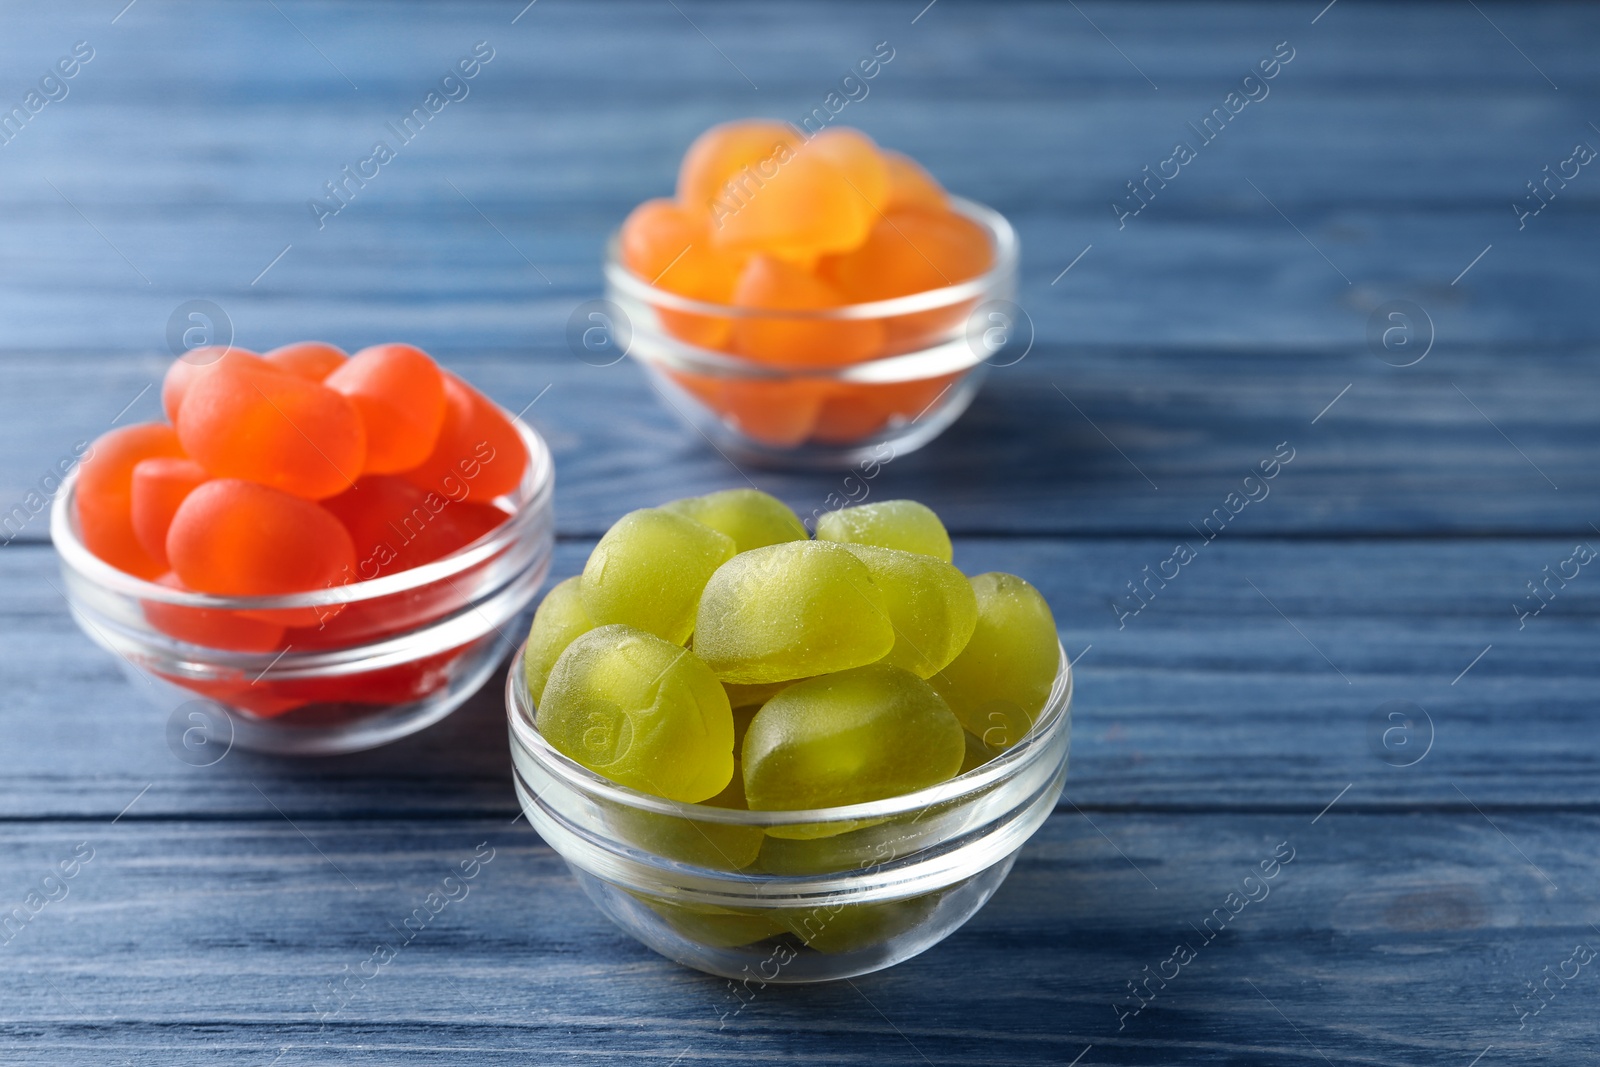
[
  {"x": 317, "y": 553},
  {"x": 810, "y": 299}
]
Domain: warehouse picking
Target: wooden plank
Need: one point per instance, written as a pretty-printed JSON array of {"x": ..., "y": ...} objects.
[
  {"x": 1391, "y": 939},
  {"x": 1206, "y": 699},
  {"x": 1068, "y": 441},
  {"x": 609, "y": 97}
]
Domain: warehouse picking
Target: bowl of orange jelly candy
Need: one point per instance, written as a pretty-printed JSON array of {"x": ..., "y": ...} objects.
[
  {"x": 807, "y": 299},
  {"x": 317, "y": 553}
]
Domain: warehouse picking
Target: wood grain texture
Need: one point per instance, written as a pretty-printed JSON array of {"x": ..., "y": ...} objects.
[
  {"x": 188, "y": 942},
  {"x": 1066, "y": 442},
  {"x": 1241, "y": 706},
  {"x": 1207, "y": 699}
]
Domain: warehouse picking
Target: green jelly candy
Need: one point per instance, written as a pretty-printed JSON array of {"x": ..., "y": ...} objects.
[
  {"x": 931, "y": 606},
  {"x": 833, "y": 929},
  {"x": 642, "y": 711},
  {"x": 752, "y": 518},
  {"x": 977, "y": 755},
  {"x": 560, "y": 618},
  {"x": 648, "y": 572},
  {"x": 788, "y": 611},
  {"x": 903, "y": 524},
  {"x": 707, "y": 924},
  {"x": 848, "y": 738},
  {"x": 1001, "y": 681},
  {"x": 717, "y": 845},
  {"x": 753, "y": 696}
]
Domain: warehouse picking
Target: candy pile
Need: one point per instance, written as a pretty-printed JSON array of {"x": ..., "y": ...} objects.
[
  {"x": 711, "y": 652},
  {"x": 298, "y": 470},
  {"x": 768, "y": 218}
]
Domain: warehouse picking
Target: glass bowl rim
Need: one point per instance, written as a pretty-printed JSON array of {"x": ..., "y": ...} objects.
[
  {"x": 1000, "y": 231},
  {"x": 532, "y": 496},
  {"x": 1007, "y": 765}
]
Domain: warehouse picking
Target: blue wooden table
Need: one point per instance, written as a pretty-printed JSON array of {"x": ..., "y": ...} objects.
[{"x": 1423, "y": 549}]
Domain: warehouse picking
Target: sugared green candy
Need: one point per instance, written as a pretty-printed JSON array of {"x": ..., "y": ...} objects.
[
  {"x": 648, "y": 571},
  {"x": 903, "y": 524},
  {"x": 931, "y": 606},
  {"x": 642, "y": 711},
  {"x": 752, "y": 518},
  {"x": 848, "y": 738},
  {"x": 1001, "y": 681},
  {"x": 791, "y": 610},
  {"x": 560, "y": 618}
]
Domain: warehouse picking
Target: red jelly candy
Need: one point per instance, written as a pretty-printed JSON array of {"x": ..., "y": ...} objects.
[
  {"x": 237, "y": 538},
  {"x": 159, "y": 486},
  {"x": 479, "y": 454},
  {"x": 198, "y": 363},
  {"x": 103, "y": 498},
  {"x": 396, "y": 525},
  {"x": 273, "y": 428},
  {"x": 311, "y": 360},
  {"x": 399, "y": 392},
  {"x": 211, "y": 627}
]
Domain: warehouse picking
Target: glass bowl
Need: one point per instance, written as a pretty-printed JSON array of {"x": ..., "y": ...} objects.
[
  {"x": 933, "y": 348},
  {"x": 332, "y": 670},
  {"x": 792, "y": 896}
]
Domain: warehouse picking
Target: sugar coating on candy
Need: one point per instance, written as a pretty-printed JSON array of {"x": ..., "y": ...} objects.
[
  {"x": 238, "y": 538},
  {"x": 478, "y": 455},
  {"x": 198, "y": 363},
  {"x": 559, "y": 620},
  {"x": 399, "y": 392},
  {"x": 159, "y": 485},
  {"x": 644, "y": 712},
  {"x": 103, "y": 499},
  {"x": 752, "y": 518},
  {"x": 848, "y": 738},
  {"x": 791, "y": 610},
  {"x": 311, "y": 360},
  {"x": 649, "y": 570},
  {"x": 275, "y": 429},
  {"x": 1001, "y": 681},
  {"x": 903, "y": 524},
  {"x": 930, "y": 604}
]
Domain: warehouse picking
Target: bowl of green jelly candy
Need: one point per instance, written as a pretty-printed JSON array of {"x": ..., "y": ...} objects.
[{"x": 811, "y": 862}]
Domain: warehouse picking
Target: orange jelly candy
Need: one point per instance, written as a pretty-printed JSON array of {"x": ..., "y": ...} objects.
[
  {"x": 399, "y": 392},
  {"x": 911, "y": 186},
  {"x": 312, "y": 360},
  {"x": 479, "y": 454},
  {"x": 103, "y": 499},
  {"x": 238, "y": 538},
  {"x": 273, "y": 428},
  {"x": 859, "y": 160},
  {"x": 670, "y": 246},
  {"x": 159, "y": 486},
  {"x": 726, "y": 153},
  {"x": 199, "y": 363},
  {"x": 769, "y": 282},
  {"x": 767, "y": 190},
  {"x": 211, "y": 627},
  {"x": 778, "y": 412},
  {"x": 911, "y": 251}
]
